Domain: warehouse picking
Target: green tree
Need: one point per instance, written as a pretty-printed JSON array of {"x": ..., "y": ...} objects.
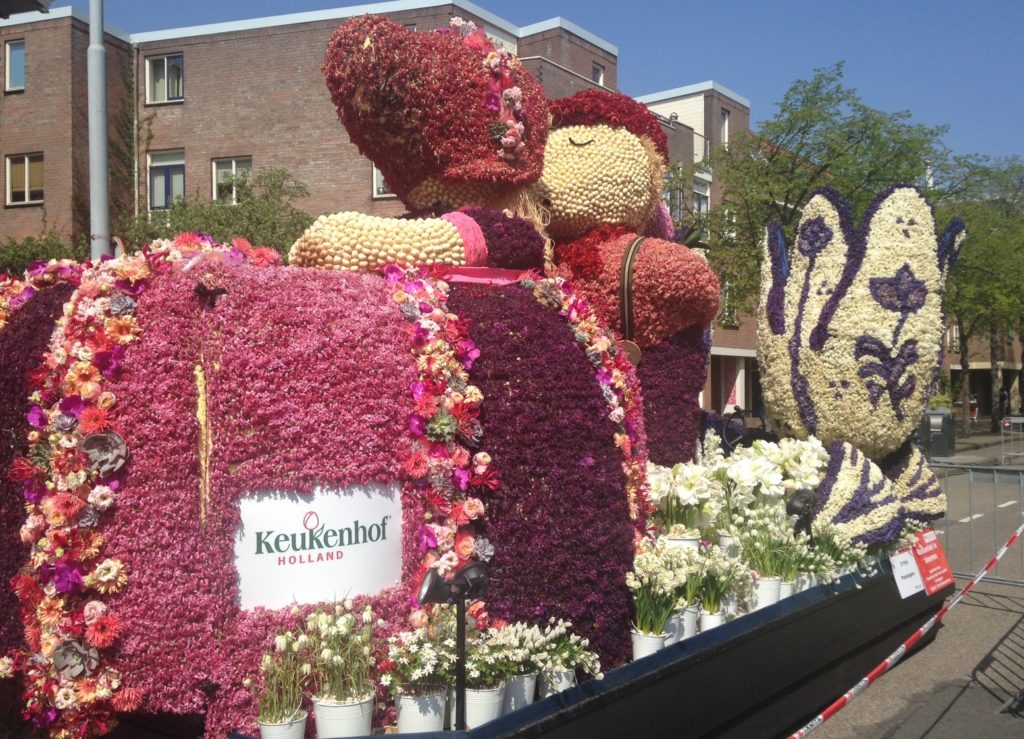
[
  {"x": 984, "y": 289},
  {"x": 265, "y": 213},
  {"x": 822, "y": 134}
]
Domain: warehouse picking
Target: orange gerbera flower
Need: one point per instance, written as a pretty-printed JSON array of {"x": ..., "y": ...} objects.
[
  {"x": 102, "y": 632},
  {"x": 92, "y": 420},
  {"x": 85, "y": 689},
  {"x": 133, "y": 269},
  {"x": 121, "y": 329},
  {"x": 50, "y": 611},
  {"x": 79, "y": 373}
]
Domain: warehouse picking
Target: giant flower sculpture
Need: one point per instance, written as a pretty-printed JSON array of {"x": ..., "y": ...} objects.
[{"x": 850, "y": 330}]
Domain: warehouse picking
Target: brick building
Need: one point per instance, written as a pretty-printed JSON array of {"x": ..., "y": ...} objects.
[
  {"x": 221, "y": 99},
  {"x": 44, "y": 128},
  {"x": 715, "y": 113}
]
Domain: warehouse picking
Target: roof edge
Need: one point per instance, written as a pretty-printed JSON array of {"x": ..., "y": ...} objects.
[
  {"x": 678, "y": 92},
  {"x": 67, "y": 11}
]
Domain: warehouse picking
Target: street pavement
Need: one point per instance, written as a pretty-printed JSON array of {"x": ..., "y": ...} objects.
[{"x": 969, "y": 682}]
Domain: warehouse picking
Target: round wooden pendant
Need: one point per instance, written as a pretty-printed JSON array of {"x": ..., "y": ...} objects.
[{"x": 632, "y": 351}]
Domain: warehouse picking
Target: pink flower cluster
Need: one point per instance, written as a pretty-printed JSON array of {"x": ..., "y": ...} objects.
[
  {"x": 71, "y": 479},
  {"x": 440, "y": 469}
]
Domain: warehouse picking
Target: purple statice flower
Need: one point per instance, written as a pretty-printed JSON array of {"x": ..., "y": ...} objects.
[
  {"x": 426, "y": 538},
  {"x": 462, "y": 478},
  {"x": 34, "y": 490},
  {"x": 417, "y": 388},
  {"x": 36, "y": 417},
  {"x": 108, "y": 361},
  {"x": 21, "y": 298},
  {"x": 67, "y": 578},
  {"x": 45, "y": 718},
  {"x": 493, "y": 103},
  {"x": 417, "y": 425},
  {"x": 72, "y": 405}
]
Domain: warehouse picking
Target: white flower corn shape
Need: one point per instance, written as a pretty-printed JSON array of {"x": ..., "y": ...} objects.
[{"x": 850, "y": 322}]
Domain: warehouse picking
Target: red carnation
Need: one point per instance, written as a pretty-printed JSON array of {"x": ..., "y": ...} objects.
[
  {"x": 21, "y": 469},
  {"x": 27, "y": 589},
  {"x": 103, "y": 631}
]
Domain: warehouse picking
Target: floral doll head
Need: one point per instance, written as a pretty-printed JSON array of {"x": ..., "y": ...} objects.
[
  {"x": 604, "y": 164},
  {"x": 447, "y": 117}
]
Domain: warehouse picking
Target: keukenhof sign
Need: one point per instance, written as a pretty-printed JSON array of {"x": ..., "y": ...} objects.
[{"x": 295, "y": 548}]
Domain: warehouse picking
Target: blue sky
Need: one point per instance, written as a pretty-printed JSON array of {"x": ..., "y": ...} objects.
[{"x": 948, "y": 62}]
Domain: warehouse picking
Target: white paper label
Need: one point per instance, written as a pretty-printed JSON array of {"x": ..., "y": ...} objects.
[
  {"x": 906, "y": 572},
  {"x": 323, "y": 546}
]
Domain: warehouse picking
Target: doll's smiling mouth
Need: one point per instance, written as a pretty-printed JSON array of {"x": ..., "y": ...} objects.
[{"x": 576, "y": 143}]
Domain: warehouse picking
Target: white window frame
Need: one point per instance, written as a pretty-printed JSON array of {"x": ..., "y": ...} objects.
[
  {"x": 701, "y": 194},
  {"x": 26, "y": 158},
  {"x": 597, "y": 73},
  {"x": 379, "y": 189},
  {"x": 7, "y": 65},
  {"x": 162, "y": 59},
  {"x": 725, "y": 128},
  {"x": 177, "y": 161},
  {"x": 234, "y": 175}
]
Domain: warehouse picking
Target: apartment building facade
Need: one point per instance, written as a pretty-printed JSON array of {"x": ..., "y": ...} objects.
[{"x": 44, "y": 133}]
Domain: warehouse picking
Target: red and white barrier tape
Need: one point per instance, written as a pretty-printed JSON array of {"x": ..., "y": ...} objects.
[{"x": 905, "y": 647}]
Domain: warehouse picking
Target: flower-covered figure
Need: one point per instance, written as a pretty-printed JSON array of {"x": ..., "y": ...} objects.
[
  {"x": 850, "y": 321},
  {"x": 850, "y": 330},
  {"x": 603, "y": 172}
]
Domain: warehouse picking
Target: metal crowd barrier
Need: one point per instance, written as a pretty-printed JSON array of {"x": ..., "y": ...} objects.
[{"x": 984, "y": 506}]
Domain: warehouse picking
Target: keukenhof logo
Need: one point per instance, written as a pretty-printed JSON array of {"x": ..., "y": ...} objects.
[{"x": 298, "y": 549}]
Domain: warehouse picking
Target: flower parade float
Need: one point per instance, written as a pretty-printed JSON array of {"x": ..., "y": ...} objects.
[{"x": 227, "y": 478}]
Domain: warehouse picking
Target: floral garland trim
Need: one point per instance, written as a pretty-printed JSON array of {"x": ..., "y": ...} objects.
[
  {"x": 70, "y": 478},
  {"x": 505, "y": 98},
  {"x": 617, "y": 379},
  {"x": 15, "y": 292},
  {"x": 441, "y": 471}
]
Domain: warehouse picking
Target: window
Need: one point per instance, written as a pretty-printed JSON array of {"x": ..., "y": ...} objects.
[
  {"x": 673, "y": 198},
  {"x": 701, "y": 198},
  {"x": 25, "y": 179},
  {"x": 165, "y": 78},
  {"x": 15, "y": 65},
  {"x": 597, "y": 73},
  {"x": 725, "y": 128},
  {"x": 953, "y": 338},
  {"x": 226, "y": 173},
  {"x": 380, "y": 187},
  {"x": 727, "y": 315},
  {"x": 166, "y": 178}
]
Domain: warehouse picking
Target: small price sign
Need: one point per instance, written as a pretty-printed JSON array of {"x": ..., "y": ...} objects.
[
  {"x": 921, "y": 566},
  {"x": 932, "y": 563}
]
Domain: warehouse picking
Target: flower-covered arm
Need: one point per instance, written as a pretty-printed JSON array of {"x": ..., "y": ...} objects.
[
  {"x": 673, "y": 287},
  {"x": 850, "y": 320},
  {"x": 472, "y": 237}
]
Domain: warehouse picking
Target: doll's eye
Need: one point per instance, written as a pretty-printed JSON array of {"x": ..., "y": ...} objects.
[{"x": 577, "y": 143}]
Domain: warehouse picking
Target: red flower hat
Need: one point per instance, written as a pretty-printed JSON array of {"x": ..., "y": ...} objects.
[
  {"x": 593, "y": 107},
  {"x": 445, "y": 105}
]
